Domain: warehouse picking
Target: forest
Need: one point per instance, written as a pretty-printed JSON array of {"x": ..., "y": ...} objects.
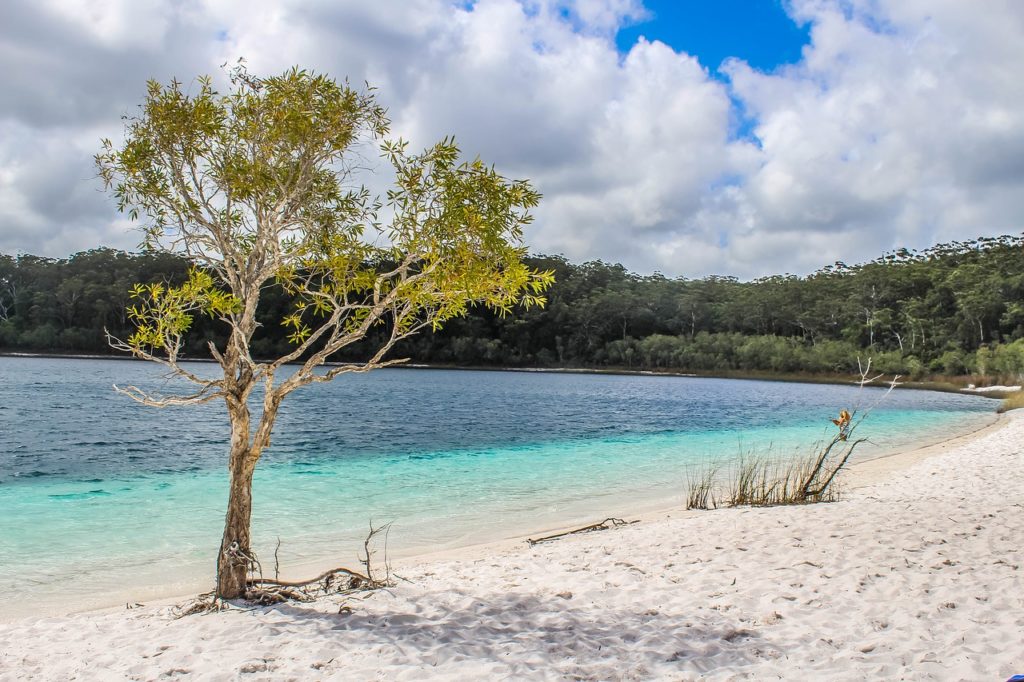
[{"x": 953, "y": 309}]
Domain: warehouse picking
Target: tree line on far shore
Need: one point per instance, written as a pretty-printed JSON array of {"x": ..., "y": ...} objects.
[{"x": 953, "y": 309}]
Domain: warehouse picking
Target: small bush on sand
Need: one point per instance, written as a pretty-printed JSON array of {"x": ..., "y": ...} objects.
[
  {"x": 761, "y": 480},
  {"x": 1012, "y": 402}
]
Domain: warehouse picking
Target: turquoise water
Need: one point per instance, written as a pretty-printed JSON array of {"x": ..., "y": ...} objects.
[{"x": 104, "y": 501}]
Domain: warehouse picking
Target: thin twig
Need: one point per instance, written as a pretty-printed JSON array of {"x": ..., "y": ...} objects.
[{"x": 603, "y": 525}]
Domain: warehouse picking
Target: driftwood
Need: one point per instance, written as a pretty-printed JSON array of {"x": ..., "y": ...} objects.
[{"x": 608, "y": 523}]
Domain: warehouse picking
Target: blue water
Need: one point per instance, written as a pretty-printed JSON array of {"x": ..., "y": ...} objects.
[{"x": 129, "y": 499}]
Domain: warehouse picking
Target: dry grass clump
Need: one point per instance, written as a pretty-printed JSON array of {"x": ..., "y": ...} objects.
[
  {"x": 759, "y": 480},
  {"x": 1014, "y": 401},
  {"x": 763, "y": 480},
  {"x": 702, "y": 491}
]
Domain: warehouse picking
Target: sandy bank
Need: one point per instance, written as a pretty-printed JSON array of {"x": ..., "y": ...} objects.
[{"x": 917, "y": 574}]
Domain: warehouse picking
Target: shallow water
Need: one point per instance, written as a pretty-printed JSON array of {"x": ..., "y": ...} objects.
[{"x": 130, "y": 499}]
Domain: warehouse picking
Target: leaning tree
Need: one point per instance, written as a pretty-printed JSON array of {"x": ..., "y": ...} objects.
[{"x": 257, "y": 186}]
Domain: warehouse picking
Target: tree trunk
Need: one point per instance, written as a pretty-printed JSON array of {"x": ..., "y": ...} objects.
[{"x": 234, "y": 557}]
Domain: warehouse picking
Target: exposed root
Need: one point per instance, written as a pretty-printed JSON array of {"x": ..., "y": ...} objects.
[
  {"x": 262, "y": 591},
  {"x": 208, "y": 602},
  {"x": 608, "y": 523},
  {"x": 265, "y": 591}
]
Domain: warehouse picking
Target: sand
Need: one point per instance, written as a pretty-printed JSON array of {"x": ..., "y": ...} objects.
[
  {"x": 990, "y": 389},
  {"x": 916, "y": 574}
]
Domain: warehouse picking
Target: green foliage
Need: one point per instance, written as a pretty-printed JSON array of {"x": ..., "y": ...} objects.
[
  {"x": 223, "y": 161},
  {"x": 162, "y": 314},
  {"x": 600, "y": 315},
  {"x": 65, "y": 305},
  {"x": 256, "y": 186}
]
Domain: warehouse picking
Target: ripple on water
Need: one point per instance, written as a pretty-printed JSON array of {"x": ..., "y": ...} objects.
[{"x": 80, "y": 496}]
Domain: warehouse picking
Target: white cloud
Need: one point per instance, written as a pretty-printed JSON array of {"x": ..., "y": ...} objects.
[
  {"x": 902, "y": 125},
  {"x": 50, "y": 199},
  {"x": 114, "y": 23}
]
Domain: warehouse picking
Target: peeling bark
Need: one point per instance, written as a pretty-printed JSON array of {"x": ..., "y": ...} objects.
[{"x": 235, "y": 554}]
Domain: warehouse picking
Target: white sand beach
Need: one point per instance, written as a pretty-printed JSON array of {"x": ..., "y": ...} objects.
[{"x": 917, "y": 574}]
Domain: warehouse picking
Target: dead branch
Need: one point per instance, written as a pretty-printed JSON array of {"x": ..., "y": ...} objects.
[
  {"x": 368, "y": 553},
  {"x": 607, "y": 524},
  {"x": 170, "y": 361},
  {"x": 205, "y": 395}
]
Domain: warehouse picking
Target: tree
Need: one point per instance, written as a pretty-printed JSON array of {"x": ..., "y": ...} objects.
[
  {"x": 8, "y": 287},
  {"x": 256, "y": 187}
]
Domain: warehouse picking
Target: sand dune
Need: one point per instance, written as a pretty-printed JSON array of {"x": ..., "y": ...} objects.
[{"x": 917, "y": 576}]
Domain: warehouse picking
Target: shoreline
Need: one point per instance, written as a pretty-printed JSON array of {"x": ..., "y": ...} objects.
[
  {"x": 913, "y": 576},
  {"x": 994, "y": 393},
  {"x": 858, "y": 474},
  {"x": 872, "y": 470}
]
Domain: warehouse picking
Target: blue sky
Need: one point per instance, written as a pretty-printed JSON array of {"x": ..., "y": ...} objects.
[{"x": 759, "y": 32}]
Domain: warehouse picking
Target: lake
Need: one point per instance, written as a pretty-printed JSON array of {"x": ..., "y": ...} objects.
[{"x": 105, "y": 501}]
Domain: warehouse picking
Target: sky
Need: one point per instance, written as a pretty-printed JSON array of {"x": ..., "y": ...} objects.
[
  {"x": 730, "y": 137},
  {"x": 760, "y": 32}
]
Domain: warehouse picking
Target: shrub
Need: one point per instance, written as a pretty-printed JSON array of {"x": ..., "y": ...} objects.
[{"x": 761, "y": 480}]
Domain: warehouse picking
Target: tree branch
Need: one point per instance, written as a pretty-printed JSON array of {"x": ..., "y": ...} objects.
[{"x": 205, "y": 395}]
